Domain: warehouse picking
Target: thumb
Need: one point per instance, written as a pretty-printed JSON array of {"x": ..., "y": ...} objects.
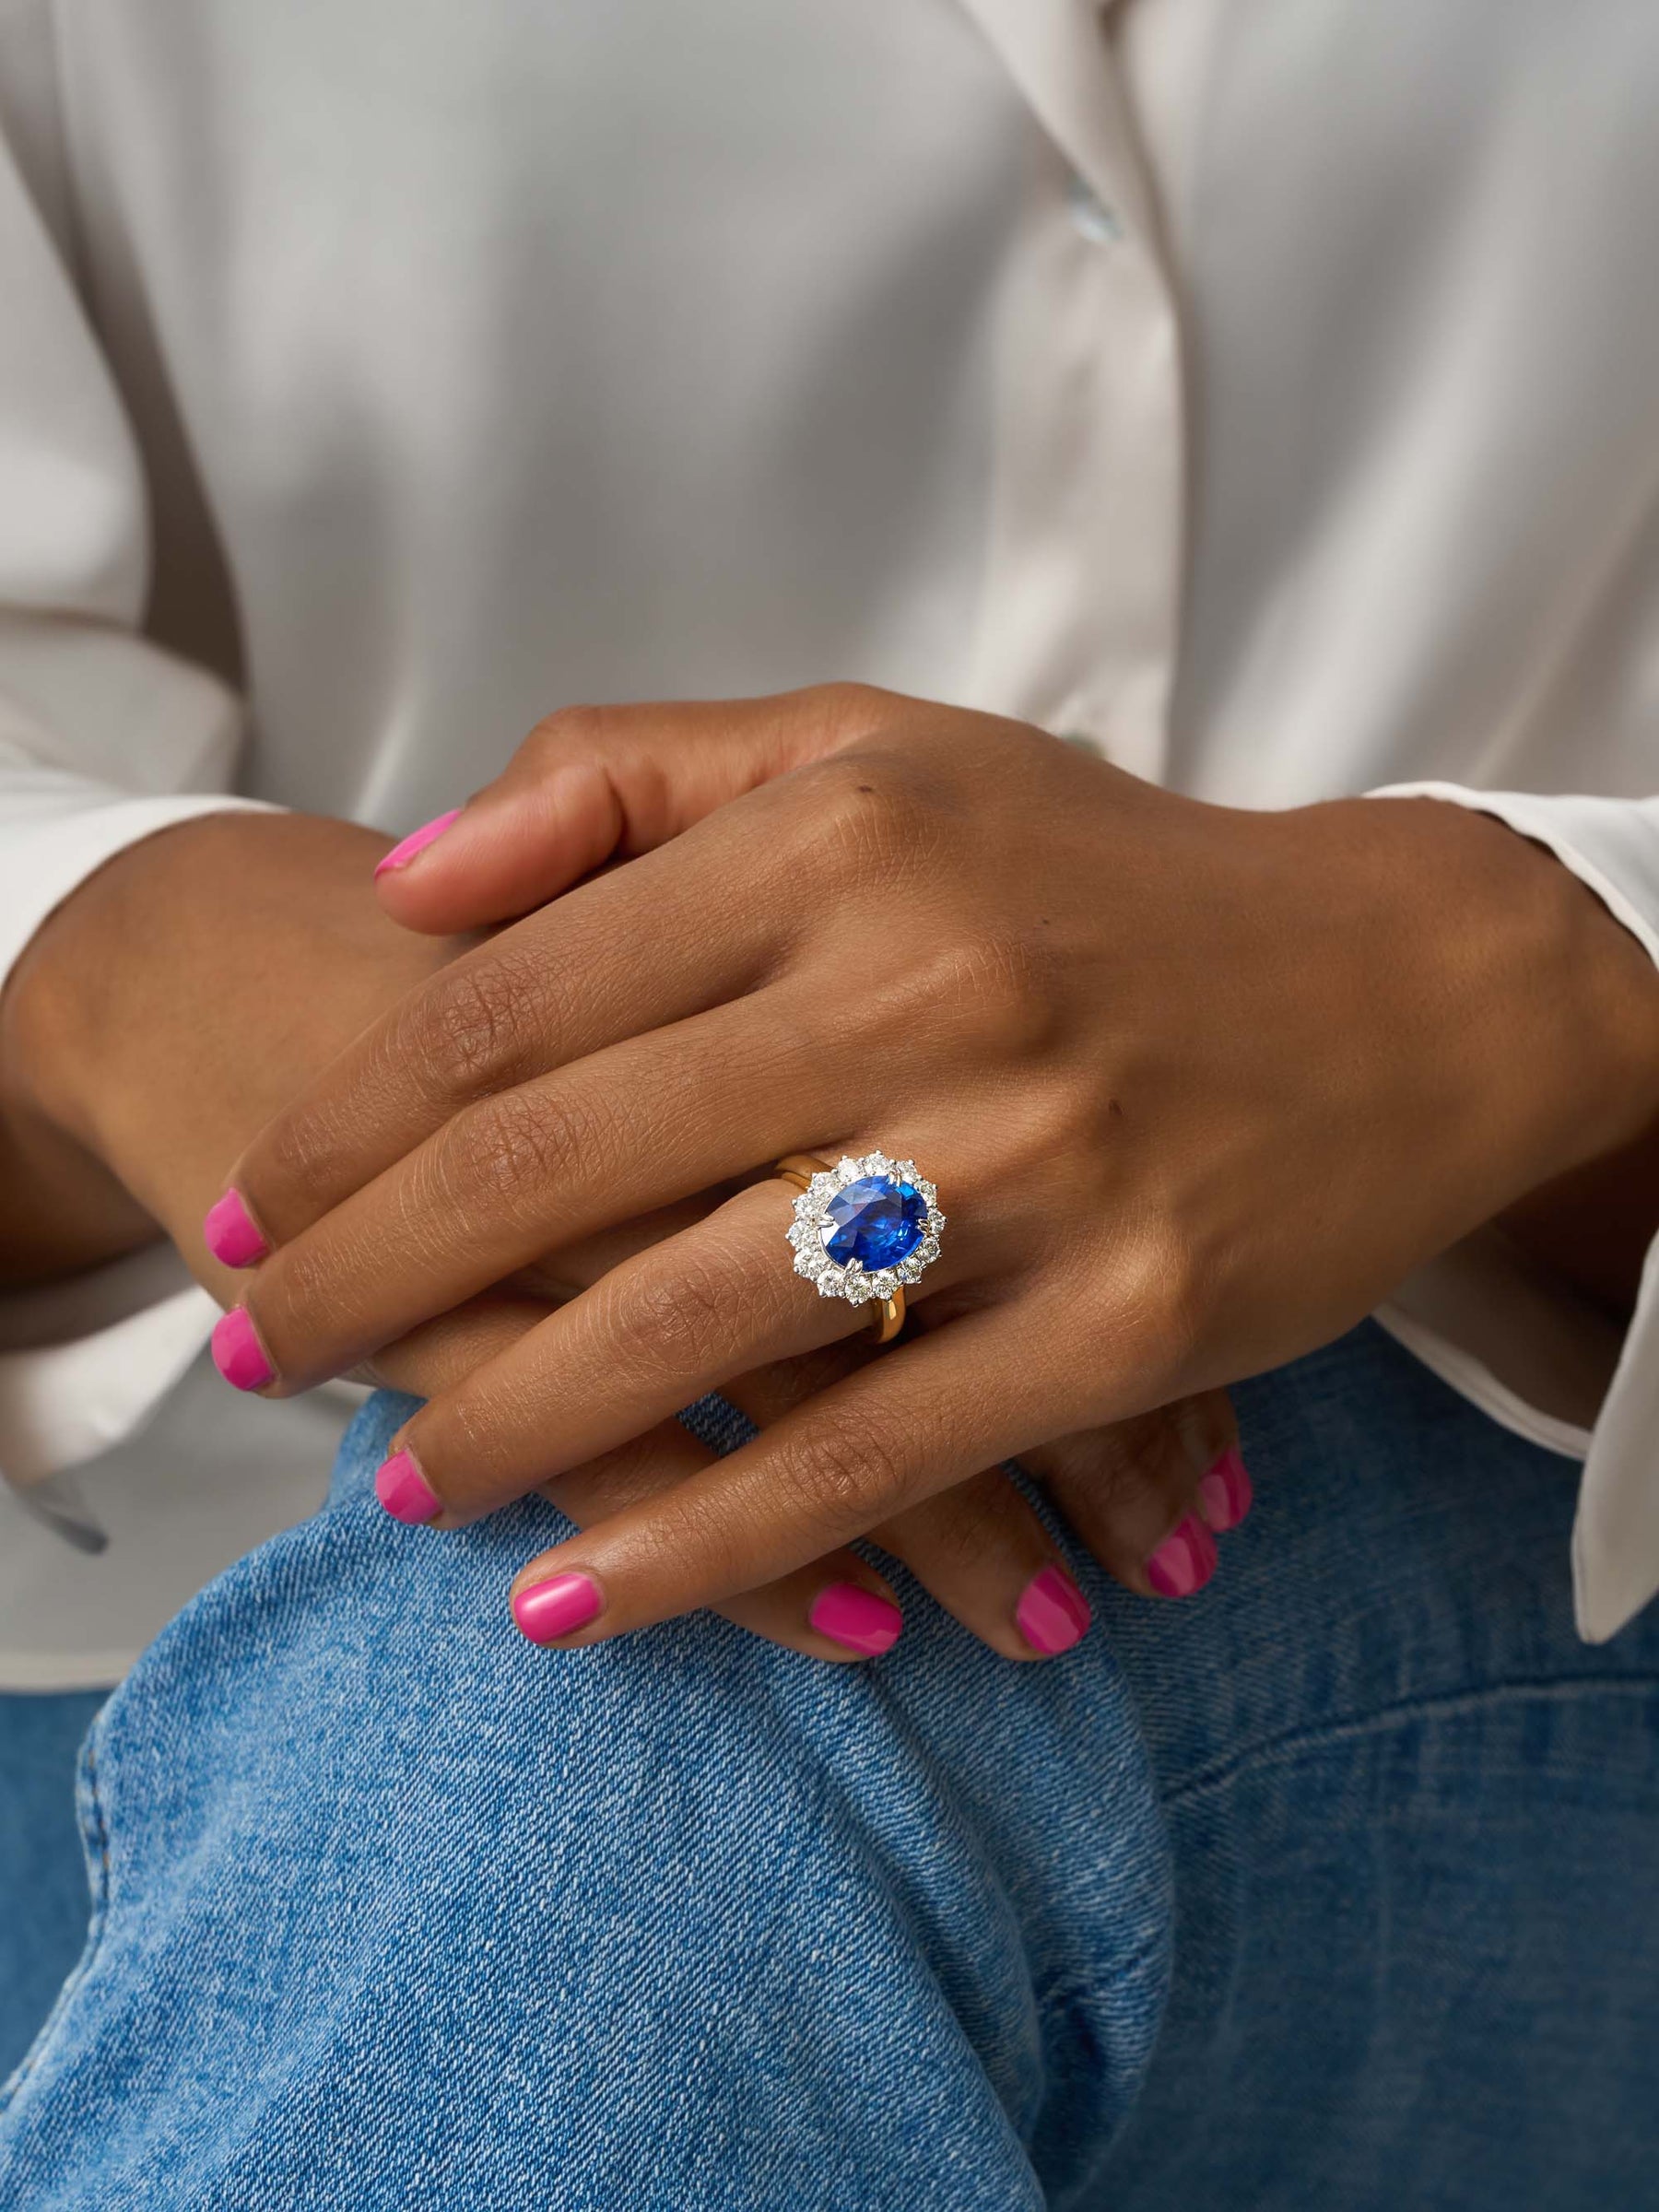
[{"x": 592, "y": 784}]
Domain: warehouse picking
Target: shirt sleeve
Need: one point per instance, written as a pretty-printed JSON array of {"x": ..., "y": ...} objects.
[
  {"x": 1613, "y": 846},
  {"x": 105, "y": 738}
]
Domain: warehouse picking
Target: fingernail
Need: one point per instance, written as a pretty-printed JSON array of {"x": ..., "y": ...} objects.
[
  {"x": 237, "y": 1352},
  {"x": 405, "y": 1492},
  {"x": 229, "y": 1232},
  {"x": 1225, "y": 1493},
  {"x": 416, "y": 841},
  {"x": 849, "y": 1614},
  {"x": 545, "y": 1611},
  {"x": 1183, "y": 1561},
  {"x": 1053, "y": 1613}
]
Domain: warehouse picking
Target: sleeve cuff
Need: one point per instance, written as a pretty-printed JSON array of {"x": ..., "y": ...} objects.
[{"x": 1612, "y": 846}]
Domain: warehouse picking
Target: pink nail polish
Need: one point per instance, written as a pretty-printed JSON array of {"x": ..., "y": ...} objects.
[
  {"x": 416, "y": 841},
  {"x": 1053, "y": 1613},
  {"x": 405, "y": 1492},
  {"x": 1225, "y": 1493},
  {"x": 229, "y": 1235},
  {"x": 849, "y": 1614},
  {"x": 1183, "y": 1561},
  {"x": 545, "y": 1611},
  {"x": 237, "y": 1352}
]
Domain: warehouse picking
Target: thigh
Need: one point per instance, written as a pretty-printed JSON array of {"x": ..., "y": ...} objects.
[
  {"x": 43, "y": 1894},
  {"x": 1414, "y": 1825},
  {"x": 396, "y": 1909}
]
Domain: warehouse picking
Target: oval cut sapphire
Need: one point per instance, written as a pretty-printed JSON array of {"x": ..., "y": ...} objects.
[{"x": 877, "y": 1221}]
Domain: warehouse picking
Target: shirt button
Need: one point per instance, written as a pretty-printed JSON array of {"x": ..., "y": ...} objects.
[{"x": 1090, "y": 215}]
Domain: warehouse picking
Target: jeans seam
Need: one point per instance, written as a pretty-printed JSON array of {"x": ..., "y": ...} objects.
[{"x": 1296, "y": 1741}]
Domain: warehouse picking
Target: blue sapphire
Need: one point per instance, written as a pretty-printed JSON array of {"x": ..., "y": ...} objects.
[{"x": 877, "y": 1221}]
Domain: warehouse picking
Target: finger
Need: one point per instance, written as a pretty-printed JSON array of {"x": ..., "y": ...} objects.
[
  {"x": 440, "y": 1354},
  {"x": 657, "y": 1333},
  {"x": 983, "y": 1553},
  {"x": 925, "y": 1417},
  {"x": 1130, "y": 1490},
  {"x": 980, "y": 1549},
  {"x": 838, "y": 1607},
  {"x": 627, "y": 955},
  {"x": 618, "y": 1134},
  {"x": 593, "y": 784},
  {"x": 1225, "y": 1490}
]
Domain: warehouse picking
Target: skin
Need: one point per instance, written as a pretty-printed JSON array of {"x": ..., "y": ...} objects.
[
  {"x": 170, "y": 1008},
  {"x": 1198, "y": 1086}
]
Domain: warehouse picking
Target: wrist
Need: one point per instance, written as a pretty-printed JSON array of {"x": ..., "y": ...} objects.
[
  {"x": 182, "y": 995},
  {"x": 1548, "y": 1007}
]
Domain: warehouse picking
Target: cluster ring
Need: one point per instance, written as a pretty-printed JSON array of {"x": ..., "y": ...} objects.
[{"x": 863, "y": 1229}]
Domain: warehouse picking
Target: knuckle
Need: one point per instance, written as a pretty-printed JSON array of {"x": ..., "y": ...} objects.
[
  {"x": 574, "y": 728},
  {"x": 1150, "y": 1309},
  {"x": 466, "y": 1034},
  {"x": 848, "y": 708},
  {"x": 685, "y": 1532},
  {"x": 675, "y": 1317},
  {"x": 997, "y": 990},
  {"x": 840, "y": 1479},
  {"x": 297, "y": 1161},
  {"x": 510, "y": 1154},
  {"x": 868, "y": 821},
  {"x": 304, "y": 1298}
]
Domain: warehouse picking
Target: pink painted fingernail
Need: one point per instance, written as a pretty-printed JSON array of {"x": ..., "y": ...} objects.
[
  {"x": 1225, "y": 1493},
  {"x": 416, "y": 841},
  {"x": 229, "y": 1232},
  {"x": 1053, "y": 1613},
  {"x": 1183, "y": 1561},
  {"x": 405, "y": 1492},
  {"x": 849, "y": 1614},
  {"x": 238, "y": 1354},
  {"x": 545, "y": 1611}
]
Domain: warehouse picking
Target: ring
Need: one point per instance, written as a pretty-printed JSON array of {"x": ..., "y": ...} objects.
[{"x": 863, "y": 1229}]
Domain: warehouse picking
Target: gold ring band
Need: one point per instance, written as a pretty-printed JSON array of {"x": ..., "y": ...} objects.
[{"x": 797, "y": 1170}]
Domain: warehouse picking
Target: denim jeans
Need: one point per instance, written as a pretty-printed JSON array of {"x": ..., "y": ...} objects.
[
  {"x": 1335, "y": 1887},
  {"x": 43, "y": 1882}
]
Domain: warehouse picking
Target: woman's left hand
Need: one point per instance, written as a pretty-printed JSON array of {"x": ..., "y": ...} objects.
[{"x": 1198, "y": 1087}]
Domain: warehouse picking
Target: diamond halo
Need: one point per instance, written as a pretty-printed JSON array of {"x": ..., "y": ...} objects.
[{"x": 814, "y": 1227}]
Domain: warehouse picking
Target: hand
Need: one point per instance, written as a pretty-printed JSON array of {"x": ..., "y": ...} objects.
[
  {"x": 171, "y": 1006},
  {"x": 1198, "y": 1086}
]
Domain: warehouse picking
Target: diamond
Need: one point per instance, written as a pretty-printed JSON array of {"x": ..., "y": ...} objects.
[{"x": 875, "y": 1221}]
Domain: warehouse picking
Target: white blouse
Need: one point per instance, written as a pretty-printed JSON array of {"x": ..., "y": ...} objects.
[{"x": 1264, "y": 390}]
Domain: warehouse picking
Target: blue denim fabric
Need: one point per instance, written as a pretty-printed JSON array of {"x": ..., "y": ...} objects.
[
  {"x": 42, "y": 1880},
  {"x": 1333, "y": 1887}
]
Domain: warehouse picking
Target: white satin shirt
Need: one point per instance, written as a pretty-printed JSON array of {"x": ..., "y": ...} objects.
[{"x": 1264, "y": 390}]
